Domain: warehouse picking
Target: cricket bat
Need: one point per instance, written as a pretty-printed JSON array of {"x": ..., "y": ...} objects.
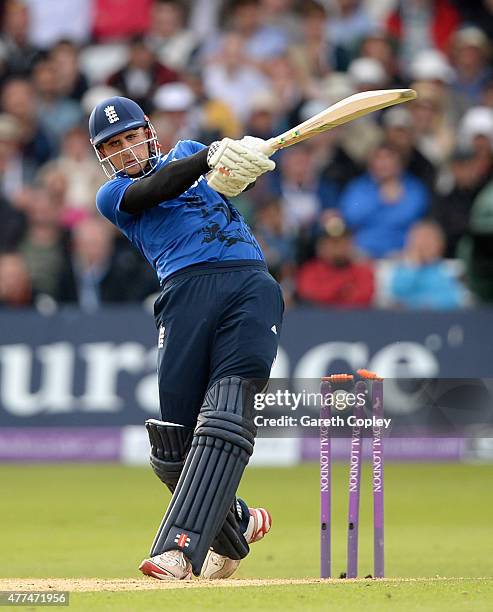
[{"x": 350, "y": 108}]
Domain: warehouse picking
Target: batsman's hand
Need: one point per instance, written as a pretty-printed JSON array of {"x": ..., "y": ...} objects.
[
  {"x": 235, "y": 163},
  {"x": 254, "y": 144},
  {"x": 239, "y": 158},
  {"x": 226, "y": 185}
]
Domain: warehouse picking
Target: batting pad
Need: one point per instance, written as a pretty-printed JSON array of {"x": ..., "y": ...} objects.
[
  {"x": 170, "y": 444},
  {"x": 221, "y": 448},
  {"x": 169, "y": 447}
]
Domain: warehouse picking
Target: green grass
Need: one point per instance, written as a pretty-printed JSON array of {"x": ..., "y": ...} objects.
[
  {"x": 98, "y": 521},
  {"x": 367, "y": 596}
]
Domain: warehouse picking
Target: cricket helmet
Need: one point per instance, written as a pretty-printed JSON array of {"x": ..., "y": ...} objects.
[{"x": 113, "y": 116}]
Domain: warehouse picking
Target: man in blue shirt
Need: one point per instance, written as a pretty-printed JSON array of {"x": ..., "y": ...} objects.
[{"x": 218, "y": 316}]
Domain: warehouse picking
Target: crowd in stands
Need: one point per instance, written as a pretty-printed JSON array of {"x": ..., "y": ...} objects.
[{"x": 394, "y": 210}]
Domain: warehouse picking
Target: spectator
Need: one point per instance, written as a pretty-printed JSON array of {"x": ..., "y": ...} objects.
[
  {"x": 71, "y": 82},
  {"x": 432, "y": 72},
  {"x": 349, "y": 24},
  {"x": 15, "y": 285},
  {"x": 44, "y": 245},
  {"x": 381, "y": 205},
  {"x": 422, "y": 279},
  {"x": 81, "y": 173},
  {"x": 19, "y": 100},
  {"x": 173, "y": 44},
  {"x": 303, "y": 193},
  {"x": 263, "y": 121},
  {"x": 12, "y": 226},
  {"x": 324, "y": 149},
  {"x": 422, "y": 24},
  {"x": 340, "y": 167},
  {"x": 276, "y": 65},
  {"x": 432, "y": 66},
  {"x": 15, "y": 46},
  {"x": 476, "y": 247},
  {"x": 487, "y": 94},
  {"x": 262, "y": 40},
  {"x": 479, "y": 13},
  {"x": 476, "y": 132},
  {"x": 360, "y": 137},
  {"x": 216, "y": 119},
  {"x": 283, "y": 81},
  {"x": 335, "y": 277},
  {"x": 94, "y": 95},
  {"x": 435, "y": 137},
  {"x": 15, "y": 169},
  {"x": 99, "y": 274},
  {"x": 204, "y": 18},
  {"x": 119, "y": 19},
  {"x": 50, "y": 22},
  {"x": 471, "y": 59},
  {"x": 53, "y": 180},
  {"x": 142, "y": 74},
  {"x": 56, "y": 113},
  {"x": 312, "y": 55},
  {"x": 451, "y": 207},
  {"x": 342, "y": 161},
  {"x": 378, "y": 46},
  {"x": 175, "y": 104},
  {"x": 230, "y": 77},
  {"x": 399, "y": 132},
  {"x": 277, "y": 244},
  {"x": 281, "y": 14},
  {"x": 367, "y": 73}
]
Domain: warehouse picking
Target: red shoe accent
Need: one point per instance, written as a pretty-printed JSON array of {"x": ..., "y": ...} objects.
[
  {"x": 149, "y": 568},
  {"x": 262, "y": 524}
]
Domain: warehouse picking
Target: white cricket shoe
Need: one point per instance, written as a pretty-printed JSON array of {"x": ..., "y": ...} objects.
[
  {"x": 170, "y": 565},
  {"x": 258, "y": 525},
  {"x": 218, "y": 566}
]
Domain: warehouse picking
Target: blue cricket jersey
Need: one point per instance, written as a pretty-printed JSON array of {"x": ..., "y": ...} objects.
[{"x": 198, "y": 226}]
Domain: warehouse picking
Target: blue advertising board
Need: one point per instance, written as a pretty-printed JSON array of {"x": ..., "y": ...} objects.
[{"x": 74, "y": 369}]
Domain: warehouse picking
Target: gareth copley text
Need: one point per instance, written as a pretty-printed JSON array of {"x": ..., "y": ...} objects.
[{"x": 334, "y": 421}]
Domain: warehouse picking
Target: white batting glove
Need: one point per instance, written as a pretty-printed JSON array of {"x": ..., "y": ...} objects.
[
  {"x": 253, "y": 143},
  {"x": 237, "y": 160},
  {"x": 235, "y": 165},
  {"x": 225, "y": 184}
]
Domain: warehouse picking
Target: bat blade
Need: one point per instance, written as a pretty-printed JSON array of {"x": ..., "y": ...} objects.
[{"x": 350, "y": 108}]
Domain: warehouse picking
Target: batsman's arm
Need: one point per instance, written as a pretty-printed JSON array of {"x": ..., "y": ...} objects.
[{"x": 167, "y": 183}]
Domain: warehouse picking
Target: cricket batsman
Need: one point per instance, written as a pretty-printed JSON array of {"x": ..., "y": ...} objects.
[{"x": 218, "y": 316}]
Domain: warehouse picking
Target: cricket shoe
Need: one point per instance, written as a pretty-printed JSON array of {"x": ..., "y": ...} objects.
[
  {"x": 170, "y": 565},
  {"x": 218, "y": 566}
]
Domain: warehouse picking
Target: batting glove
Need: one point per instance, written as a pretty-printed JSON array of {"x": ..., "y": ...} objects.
[
  {"x": 238, "y": 160},
  {"x": 235, "y": 165}
]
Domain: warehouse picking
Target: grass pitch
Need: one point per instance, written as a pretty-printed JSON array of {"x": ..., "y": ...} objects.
[{"x": 69, "y": 523}]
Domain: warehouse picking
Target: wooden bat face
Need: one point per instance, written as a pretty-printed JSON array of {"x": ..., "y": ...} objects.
[{"x": 350, "y": 108}]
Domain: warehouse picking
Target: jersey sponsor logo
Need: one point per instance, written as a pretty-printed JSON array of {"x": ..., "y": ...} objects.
[{"x": 111, "y": 114}]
